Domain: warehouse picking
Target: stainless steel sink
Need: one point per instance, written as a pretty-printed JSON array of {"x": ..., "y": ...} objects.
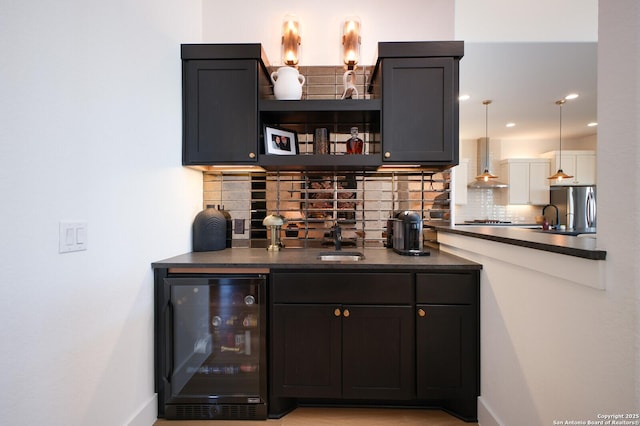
[{"x": 341, "y": 256}]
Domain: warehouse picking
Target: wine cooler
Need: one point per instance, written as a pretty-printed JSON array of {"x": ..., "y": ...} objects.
[{"x": 210, "y": 346}]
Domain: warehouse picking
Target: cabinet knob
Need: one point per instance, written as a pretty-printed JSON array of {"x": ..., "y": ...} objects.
[
  {"x": 421, "y": 313},
  {"x": 346, "y": 313},
  {"x": 387, "y": 154},
  {"x": 252, "y": 155},
  {"x": 337, "y": 312}
]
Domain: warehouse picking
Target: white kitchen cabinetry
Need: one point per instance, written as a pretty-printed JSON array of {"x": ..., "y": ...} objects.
[
  {"x": 579, "y": 164},
  {"x": 527, "y": 179},
  {"x": 461, "y": 179}
]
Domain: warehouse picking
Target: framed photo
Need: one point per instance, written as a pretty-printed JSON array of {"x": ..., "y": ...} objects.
[{"x": 280, "y": 141}]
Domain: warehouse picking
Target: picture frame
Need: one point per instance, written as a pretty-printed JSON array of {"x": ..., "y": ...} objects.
[{"x": 280, "y": 141}]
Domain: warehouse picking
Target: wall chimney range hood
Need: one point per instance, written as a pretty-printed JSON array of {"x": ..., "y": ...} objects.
[{"x": 484, "y": 161}]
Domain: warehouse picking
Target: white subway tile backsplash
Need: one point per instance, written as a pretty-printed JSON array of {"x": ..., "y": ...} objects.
[{"x": 486, "y": 204}]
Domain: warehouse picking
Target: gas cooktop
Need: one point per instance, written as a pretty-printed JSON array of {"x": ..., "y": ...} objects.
[{"x": 486, "y": 221}]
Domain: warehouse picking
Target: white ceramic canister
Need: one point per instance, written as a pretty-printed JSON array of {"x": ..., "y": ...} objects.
[{"x": 287, "y": 83}]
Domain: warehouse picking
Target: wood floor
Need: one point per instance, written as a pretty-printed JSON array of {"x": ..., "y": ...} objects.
[{"x": 312, "y": 416}]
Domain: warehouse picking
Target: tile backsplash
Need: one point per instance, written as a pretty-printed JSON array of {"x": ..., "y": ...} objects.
[
  {"x": 488, "y": 204},
  {"x": 312, "y": 202}
]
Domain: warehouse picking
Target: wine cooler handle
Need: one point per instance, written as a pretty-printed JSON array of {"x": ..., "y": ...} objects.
[{"x": 168, "y": 324}]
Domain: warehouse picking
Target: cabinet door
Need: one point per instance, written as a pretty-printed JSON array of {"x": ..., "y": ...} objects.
[
  {"x": 420, "y": 110},
  {"x": 220, "y": 99},
  {"x": 538, "y": 183},
  {"x": 447, "y": 351},
  {"x": 378, "y": 352},
  {"x": 585, "y": 169},
  {"x": 518, "y": 177},
  {"x": 306, "y": 351}
]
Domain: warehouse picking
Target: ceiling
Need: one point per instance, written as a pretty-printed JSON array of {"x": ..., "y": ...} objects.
[{"x": 524, "y": 80}]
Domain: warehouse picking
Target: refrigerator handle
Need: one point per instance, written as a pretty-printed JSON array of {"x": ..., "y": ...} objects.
[{"x": 591, "y": 209}]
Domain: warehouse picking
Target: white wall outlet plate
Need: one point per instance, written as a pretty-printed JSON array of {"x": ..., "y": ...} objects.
[{"x": 73, "y": 237}]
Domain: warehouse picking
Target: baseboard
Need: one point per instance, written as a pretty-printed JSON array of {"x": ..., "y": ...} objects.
[
  {"x": 486, "y": 416},
  {"x": 147, "y": 414}
]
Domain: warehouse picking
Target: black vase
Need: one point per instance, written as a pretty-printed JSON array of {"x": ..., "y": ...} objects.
[{"x": 209, "y": 230}]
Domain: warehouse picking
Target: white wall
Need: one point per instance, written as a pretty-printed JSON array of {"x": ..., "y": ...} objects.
[
  {"x": 255, "y": 21},
  {"x": 619, "y": 164},
  {"x": 90, "y": 131},
  {"x": 552, "y": 349},
  {"x": 541, "y": 20}
]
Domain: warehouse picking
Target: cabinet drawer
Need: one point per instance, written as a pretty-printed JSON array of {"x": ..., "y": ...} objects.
[
  {"x": 447, "y": 288},
  {"x": 356, "y": 288}
]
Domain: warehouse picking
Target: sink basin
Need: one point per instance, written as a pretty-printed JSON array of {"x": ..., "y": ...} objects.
[{"x": 341, "y": 256}]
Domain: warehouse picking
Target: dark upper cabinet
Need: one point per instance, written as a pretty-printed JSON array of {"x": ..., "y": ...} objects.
[
  {"x": 418, "y": 83},
  {"x": 411, "y": 114},
  {"x": 220, "y": 103}
]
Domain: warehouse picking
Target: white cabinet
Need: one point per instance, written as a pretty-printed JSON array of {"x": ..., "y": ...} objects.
[
  {"x": 579, "y": 164},
  {"x": 460, "y": 181},
  {"x": 527, "y": 179}
]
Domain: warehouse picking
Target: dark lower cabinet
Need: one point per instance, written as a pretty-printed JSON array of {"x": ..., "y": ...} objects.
[
  {"x": 342, "y": 336},
  {"x": 448, "y": 341},
  {"x": 394, "y": 338},
  {"x": 306, "y": 351},
  {"x": 335, "y": 351},
  {"x": 378, "y": 352},
  {"x": 445, "y": 346}
]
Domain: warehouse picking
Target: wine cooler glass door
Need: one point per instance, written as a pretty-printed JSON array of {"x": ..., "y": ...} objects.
[{"x": 216, "y": 338}]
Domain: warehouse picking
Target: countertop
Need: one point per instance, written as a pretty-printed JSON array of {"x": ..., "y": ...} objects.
[
  {"x": 301, "y": 258},
  {"x": 584, "y": 247}
]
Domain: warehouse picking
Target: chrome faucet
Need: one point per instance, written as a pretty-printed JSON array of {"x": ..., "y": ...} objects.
[
  {"x": 557, "y": 224},
  {"x": 337, "y": 237}
]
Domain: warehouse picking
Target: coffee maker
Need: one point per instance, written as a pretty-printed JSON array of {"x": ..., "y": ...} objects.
[{"x": 407, "y": 234}]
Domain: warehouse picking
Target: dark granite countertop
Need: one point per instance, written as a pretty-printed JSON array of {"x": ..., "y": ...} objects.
[
  {"x": 297, "y": 258},
  {"x": 530, "y": 238}
]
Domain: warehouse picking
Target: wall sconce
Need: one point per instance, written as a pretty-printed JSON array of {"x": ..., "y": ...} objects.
[
  {"x": 351, "y": 41},
  {"x": 290, "y": 40}
]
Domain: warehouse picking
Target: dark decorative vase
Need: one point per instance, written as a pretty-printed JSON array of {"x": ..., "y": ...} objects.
[{"x": 209, "y": 230}]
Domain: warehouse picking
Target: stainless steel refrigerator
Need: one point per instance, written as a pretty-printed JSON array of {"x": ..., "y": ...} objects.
[{"x": 576, "y": 206}]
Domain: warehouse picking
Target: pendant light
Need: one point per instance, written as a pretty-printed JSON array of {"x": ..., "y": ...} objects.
[
  {"x": 486, "y": 174},
  {"x": 559, "y": 175}
]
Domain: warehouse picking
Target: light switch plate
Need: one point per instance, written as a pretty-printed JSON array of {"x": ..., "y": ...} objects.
[{"x": 73, "y": 237}]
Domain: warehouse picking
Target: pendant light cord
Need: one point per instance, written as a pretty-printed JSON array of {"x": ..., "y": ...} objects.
[
  {"x": 486, "y": 133},
  {"x": 560, "y": 103}
]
